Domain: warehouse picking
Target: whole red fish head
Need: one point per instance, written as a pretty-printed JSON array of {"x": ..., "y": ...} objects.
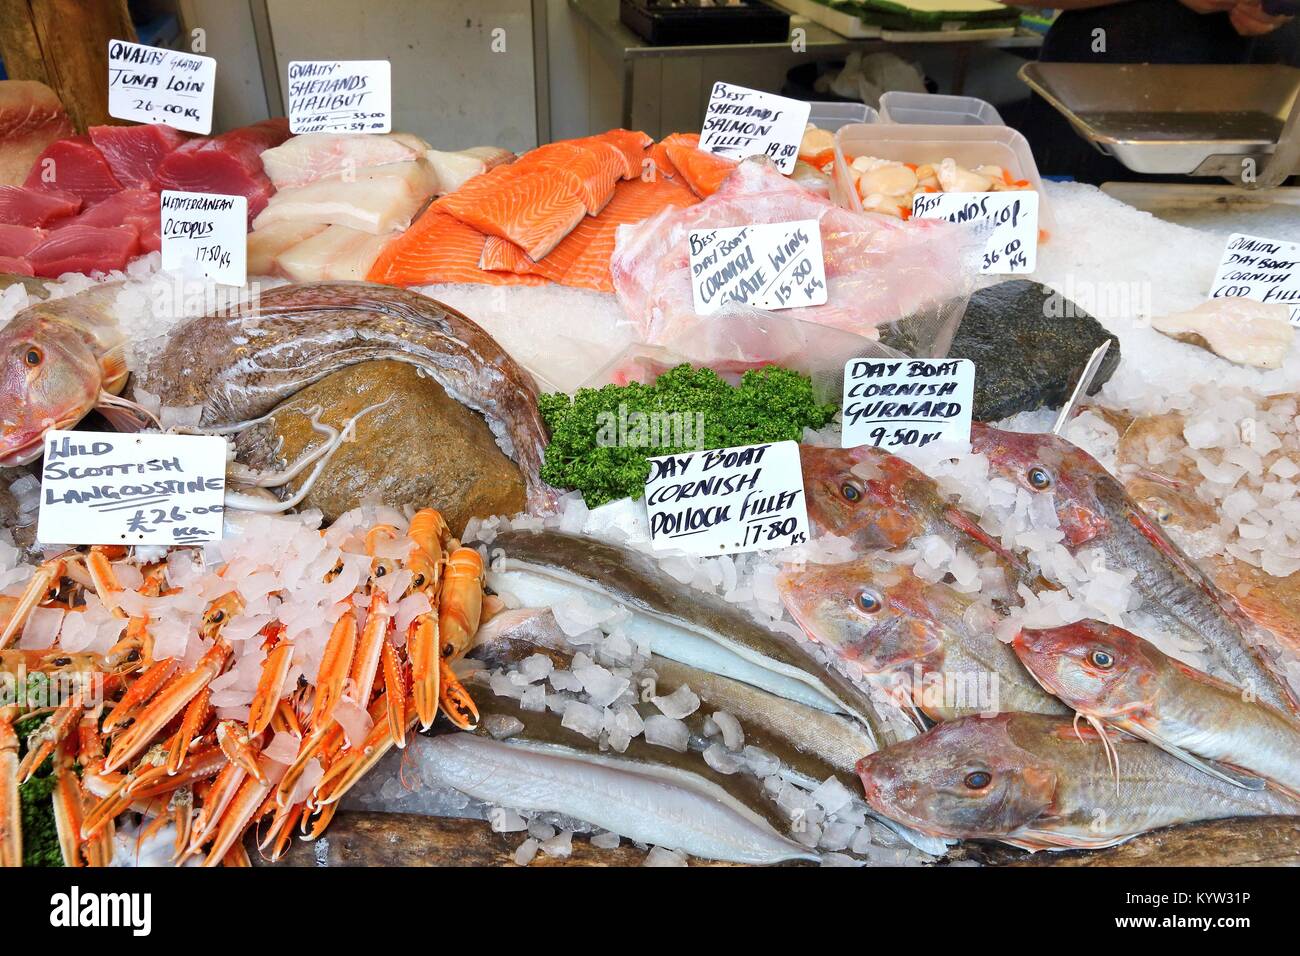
[
  {"x": 1050, "y": 465},
  {"x": 964, "y": 779},
  {"x": 876, "y": 617},
  {"x": 49, "y": 378},
  {"x": 1096, "y": 668},
  {"x": 871, "y": 496}
]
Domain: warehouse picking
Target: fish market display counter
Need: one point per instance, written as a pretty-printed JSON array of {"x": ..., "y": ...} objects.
[{"x": 481, "y": 535}]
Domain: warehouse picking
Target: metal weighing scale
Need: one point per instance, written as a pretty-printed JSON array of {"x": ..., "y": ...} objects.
[{"x": 1240, "y": 123}]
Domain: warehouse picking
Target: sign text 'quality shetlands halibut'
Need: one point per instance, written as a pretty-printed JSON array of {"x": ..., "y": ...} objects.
[
  {"x": 1006, "y": 221},
  {"x": 902, "y": 405},
  {"x": 205, "y": 236},
  {"x": 1266, "y": 270},
  {"x": 775, "y": 265},
  {"x": 340, "y": 96},
  {"x": 147, "y": 84},
  {"x": 728, "y": 500},
  {"x": 113, "y": 488},
  {"x": 740, "y": 123}
]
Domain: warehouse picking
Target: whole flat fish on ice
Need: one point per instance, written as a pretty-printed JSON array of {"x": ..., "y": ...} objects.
[{"x": 240, "y": 366}]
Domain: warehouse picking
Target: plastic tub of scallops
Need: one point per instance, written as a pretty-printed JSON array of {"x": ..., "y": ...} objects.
[{"x": 879, "y": 167}]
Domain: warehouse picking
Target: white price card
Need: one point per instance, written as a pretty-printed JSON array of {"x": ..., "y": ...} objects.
[
  {"x": 119, "y": 488},
  {"x": 740, "y": 123},
  {"x": 1266, "y": 270},
  {"x": 727, "y": 500},
  {"x": 775, "y": 265},
  {"x": 340, "y": 96},
  {"x": 205, "y": 236},
  {"x": 1007, "y": 221},
  {"x": 901, "y": 405},
  {"x": 149, "y": 84}
]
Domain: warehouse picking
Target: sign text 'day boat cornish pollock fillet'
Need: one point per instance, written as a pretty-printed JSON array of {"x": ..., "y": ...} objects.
[{"x": 728, "y": 500}]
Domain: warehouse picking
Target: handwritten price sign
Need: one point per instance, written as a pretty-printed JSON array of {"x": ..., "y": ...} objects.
[
  {"x": 903, "y": 405},
  {"x": 768, "y": 266},
  {"x": 205, "y": 235},
  {"x": 740, "y": 123},
  {"x": 1266, "y": 270},
  {"x": 151, "y": 85},
  {"x": 340, "y": 96},
  {"x": 728, "y": 500},
  {"x": 109, "y": 488},
  {"x": 1008, "y": 222}
]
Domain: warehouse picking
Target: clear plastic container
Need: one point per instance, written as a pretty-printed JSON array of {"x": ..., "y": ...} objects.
[
  {"x": 968, "y": 146},
  {"x": 935, "y": 109},
  {"x": 831, "y": 116}
]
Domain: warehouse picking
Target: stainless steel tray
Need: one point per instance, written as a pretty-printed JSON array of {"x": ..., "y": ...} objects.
[{"x": 1168, "y": 119}]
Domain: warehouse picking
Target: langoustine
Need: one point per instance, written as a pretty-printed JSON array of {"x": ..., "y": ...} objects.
[{"x": 224, "y": 711}]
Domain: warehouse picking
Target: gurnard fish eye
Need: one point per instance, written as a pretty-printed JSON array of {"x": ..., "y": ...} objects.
[
  {"x": 34, "y": 356},
  {"x": 978, "y": 779},
  {"x": 850, "y": 491},
  {"x": 1040, "y": 478},
  {"x": 380, "y": 571},
  {"x": 1101, "y": 659},
  {"x": 869, "y": 601}
]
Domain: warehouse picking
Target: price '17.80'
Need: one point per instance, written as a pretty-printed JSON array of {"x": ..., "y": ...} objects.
[{"x": 761, "y": 531}]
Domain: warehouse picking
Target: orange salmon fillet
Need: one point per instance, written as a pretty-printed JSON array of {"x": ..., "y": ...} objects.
[
  {"x": 591, "y": 168},
  {"x": 582, "y": 259},
  {"x": 703, "y": 172},
  {"x": 534, "y": 208},
  {"x": 536, "y": 201},
  {"x": 631, "y": 145},
  {"x": 439, "y": 248}
]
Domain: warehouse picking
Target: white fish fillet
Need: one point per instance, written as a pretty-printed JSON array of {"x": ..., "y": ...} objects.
[
  {"x": 454, "y": 169},
  {"x": 264, "y": 245},
  {"x": 1238, "y": 329},
  {"x": 655, "y": 805},
  {"x": 377, "y": 200},
  {"x": 312, "y": 156},
  {"x": 336, "y": 252}
]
